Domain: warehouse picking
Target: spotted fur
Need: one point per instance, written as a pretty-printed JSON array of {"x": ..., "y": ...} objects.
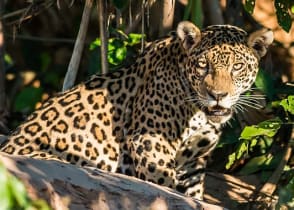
[{"x": 158, "y": 119}]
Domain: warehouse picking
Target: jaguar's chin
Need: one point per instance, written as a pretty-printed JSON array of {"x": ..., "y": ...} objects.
[{"x": 218, "y": 114}]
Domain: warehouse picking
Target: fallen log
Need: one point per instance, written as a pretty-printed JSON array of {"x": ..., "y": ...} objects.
[{"x": 66, "y": 186}]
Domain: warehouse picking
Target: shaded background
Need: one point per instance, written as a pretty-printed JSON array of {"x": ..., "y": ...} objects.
[{"x": 40, "y": 36}]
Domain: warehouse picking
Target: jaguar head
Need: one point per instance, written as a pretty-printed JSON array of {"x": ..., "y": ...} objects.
[{"x": 220, "y": 63}]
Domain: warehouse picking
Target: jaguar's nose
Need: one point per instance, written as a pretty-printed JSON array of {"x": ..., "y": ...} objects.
[{"x": 216, "y": 95}]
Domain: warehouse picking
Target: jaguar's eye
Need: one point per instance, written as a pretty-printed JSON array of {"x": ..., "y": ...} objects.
[
  {"x": 201, "y": 62},
  {"x": 238, "y": 66}
]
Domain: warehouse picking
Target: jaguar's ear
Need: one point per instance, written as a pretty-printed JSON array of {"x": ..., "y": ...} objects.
[
  {"x": 260, "y": 40},
  {"x": 189, "y": 34}
]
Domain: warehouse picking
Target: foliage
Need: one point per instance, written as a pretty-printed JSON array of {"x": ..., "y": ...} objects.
[
  {"x": 120, "y": 4},
  {"x": 252, "y": 136},
  {"x": 193, "y": 12},
  {"x": 282, "y": 12},
  {"x": 283, "y": 8},
  {"x": 26, "y": 99},
  {"x": 118, "y": 47},
  {"x": 14, "y": 196},
  {"x": 249, "y": 5},
  {"x": 265, "y": 83},
  {"x": 286, "y": 198},
  {"x": 254, "y": 144},
  {"x": 288, "y": 104},
  {"x": 260, "y": 138}
]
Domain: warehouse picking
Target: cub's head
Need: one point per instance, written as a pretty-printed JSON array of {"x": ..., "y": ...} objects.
[{"x": 220, "y": 63}]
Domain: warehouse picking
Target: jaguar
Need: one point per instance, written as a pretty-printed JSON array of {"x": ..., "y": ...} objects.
[{"x": 158, "y": 119}]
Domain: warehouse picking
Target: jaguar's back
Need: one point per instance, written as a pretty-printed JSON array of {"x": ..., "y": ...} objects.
[{"x": 81, "y": 125}]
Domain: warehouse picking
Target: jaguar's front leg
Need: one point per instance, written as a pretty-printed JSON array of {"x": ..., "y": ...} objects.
[
  {"x": 191, "y": 178},
  {"x": 191, "y": 159},
  {"x": 153, "y": 159}
]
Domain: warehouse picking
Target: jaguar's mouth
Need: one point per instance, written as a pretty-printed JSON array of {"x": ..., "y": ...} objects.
[{"x": 217, "y": 111}]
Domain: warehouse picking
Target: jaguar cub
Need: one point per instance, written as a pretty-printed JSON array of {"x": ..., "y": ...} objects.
[{"x": 158, "y": 119}]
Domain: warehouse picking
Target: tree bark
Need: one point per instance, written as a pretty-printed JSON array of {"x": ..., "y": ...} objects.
[
  {"x": 161, "y": 18},
  {"x": 66, "y": 186},
  {"x": 74, "y": 63},
  {"x": 102, "y": 8},
  {"x": 212, "y": 12}
]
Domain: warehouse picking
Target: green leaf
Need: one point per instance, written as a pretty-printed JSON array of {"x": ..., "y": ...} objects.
[
  {"x": 282, "y": 12},
  {"x": 96, "y": 43},
  {"x": 264, "y": 82},
  {"x": 94, "y": 62},
  {"x": 119, "y": 47},
  {"x": 251, "y": 131},
  {"x": 6, "y": 200},
  {"x": 230, "y": 134},
  {"x": 19, "y": 192},
  {"x": 267, "y": 128},
  {"x": 255, "y": 164},
  {"x": 262, "y": 163},
  {"x": 196, "y": 14},
  {"x": 120, "y": 4},
  {"x": 27, "y": 99},
  {"x": 273, "y": 124},
  {"x": 45, "y": 61},
  {"x": 286, "y": 195},
  {"x": 288, "y": 104},
  {"x": 39, "y": 204},
  {"x": 253, "y": 143},
  {"x": 249, "y": 6},
  {"x": 121, "y": 53},
  {"x": 134, "y": 38},
  {"x": 116, "y": 51},
  {"x": 8, "y": 59},
  {"x": 232, "y": 159},
  {"x": 114, "y": 44},
  {"x": 13, "y": 194},
  {"x": 285, "y": 88},
  {"x": 52, "y": 78},
  {"x": 242, "y": 148}
]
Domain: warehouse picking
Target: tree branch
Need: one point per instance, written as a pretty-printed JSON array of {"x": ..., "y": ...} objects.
[
  {"x": 74, "y": 63},
  {"x": 103, "y": 34}
]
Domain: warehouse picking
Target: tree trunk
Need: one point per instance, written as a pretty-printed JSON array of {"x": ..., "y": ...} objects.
[
  {"x": 160, "y": 18},
  {"x": 102, "y": 13}
]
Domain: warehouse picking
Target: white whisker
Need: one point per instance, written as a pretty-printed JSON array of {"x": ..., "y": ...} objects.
[
  {"x": 250, "y": 101},
  {"x": 251, "y": 105}
]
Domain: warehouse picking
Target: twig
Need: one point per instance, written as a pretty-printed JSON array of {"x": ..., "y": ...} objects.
[
  {"x": 103, "y": 34},
  {"x": 12, "y": 14},
  {"x": 27, "y": 13},
  {"x": 143, "y": 25},
  {"x": 134, "y": 23},
  {"x": 73, "y": 66},
  {"x": 41, "y": 39}
]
